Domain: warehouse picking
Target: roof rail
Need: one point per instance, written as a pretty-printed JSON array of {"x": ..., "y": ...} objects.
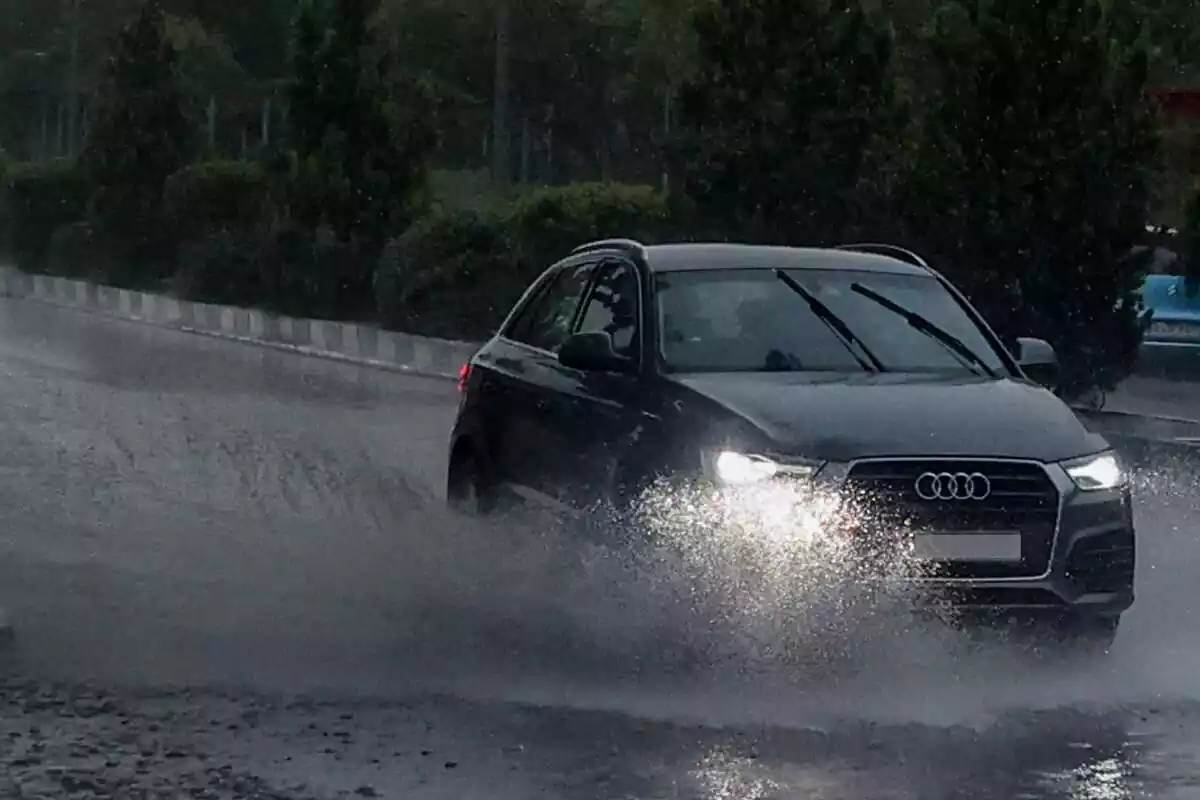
[
  {"x": 610, "y": 244},
  {"x": 892, "y": 250}
]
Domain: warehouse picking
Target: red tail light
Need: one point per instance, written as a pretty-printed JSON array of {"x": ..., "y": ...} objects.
[{"x": 464, "y": 372}]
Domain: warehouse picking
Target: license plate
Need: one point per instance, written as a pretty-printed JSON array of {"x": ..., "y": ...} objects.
[
  {"x": 989, "y": 546},
  {"x": 1175, "y": 330}
]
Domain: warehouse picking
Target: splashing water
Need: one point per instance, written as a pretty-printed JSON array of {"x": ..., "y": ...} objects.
[{"x": 718, "y": 617}]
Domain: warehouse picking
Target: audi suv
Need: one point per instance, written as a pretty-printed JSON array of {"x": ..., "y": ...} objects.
[{"x": 857, "y": 374}]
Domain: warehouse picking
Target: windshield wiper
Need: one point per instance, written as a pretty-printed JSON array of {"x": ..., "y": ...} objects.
[
  {"x": 951, "y": 342},
  {"x": 862, "y": 355}
]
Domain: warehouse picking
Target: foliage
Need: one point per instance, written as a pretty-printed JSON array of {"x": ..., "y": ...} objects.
[
  {"x": 451, "y": 274},
  {"x": 72, "y": 252},
  {"x": 213, "y": 195},
  {"x": 1033, "y": 178},
  {"x": 1170, "y": 30},
  {"x": 357, "y": 127},
  {"x": 457, "y": 273},
  {"x": 138, "y": 139},
  {"x": 309, "y": 35},
  {"x": 221, "y": 265},
  {"x": 548, "y": 223},
  {"x": 782, "y": 119},
  {"x": 1190, "y": 244},
  {"x": 281, "y": 268},
  {"x": 206, "y": 70},
  {"x": 39, "y": 199},
  {"x": 316, "y": 273}
]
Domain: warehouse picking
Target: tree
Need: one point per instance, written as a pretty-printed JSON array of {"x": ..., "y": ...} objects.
[
  {"x": 783, "y": 119},
  {"x": 358, "y": 127},
  {"x": 1032, "y": 185},
  {"x": 360, "y": 138},
  {"x": 207, "y": 70},
  {"x": 309, "y": 32},
  {"x": 139, "y": 137}
]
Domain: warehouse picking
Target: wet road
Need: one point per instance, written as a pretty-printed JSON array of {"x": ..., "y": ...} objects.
[{"x": 229, "y": 569}]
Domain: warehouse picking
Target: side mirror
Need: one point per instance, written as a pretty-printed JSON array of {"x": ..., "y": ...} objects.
[
  {"x": 1038, "y": 360},
  {"x": 592, "y": 352}
]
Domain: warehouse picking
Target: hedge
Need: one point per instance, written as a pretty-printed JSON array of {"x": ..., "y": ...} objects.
[
  {"x": 454, "y": 273},
  {"x": 215, "y": 196},
  {"x": 457, "y": 273},
  {"x": 450, "y": 275},
  {"x": 39, "y": 199},
  {"x": 548, "y": 223}
]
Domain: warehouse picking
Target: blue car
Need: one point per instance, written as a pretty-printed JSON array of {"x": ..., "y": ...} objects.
[{"x": 1171, "y": 346}]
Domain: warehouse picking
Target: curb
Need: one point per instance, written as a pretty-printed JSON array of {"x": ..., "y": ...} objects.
[{"x": 366, "y": 345}]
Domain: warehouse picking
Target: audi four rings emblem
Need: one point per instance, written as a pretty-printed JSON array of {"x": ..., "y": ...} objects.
[{"x": 953, "y": 486}]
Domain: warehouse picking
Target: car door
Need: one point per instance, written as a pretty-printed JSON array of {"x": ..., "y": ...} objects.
[
  {"x": 522, "y": 362},
  {"x": 595, "y": 417}
]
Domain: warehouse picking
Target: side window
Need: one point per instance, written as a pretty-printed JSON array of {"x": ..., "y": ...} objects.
[
  {"x": 546, "y": 322},
  {"x": 612, "y": 307}
]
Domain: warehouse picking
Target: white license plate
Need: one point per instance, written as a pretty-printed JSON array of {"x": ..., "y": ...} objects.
[
  {"x": 1175, "y": 330},
  {"x": 967, "y": 546}
]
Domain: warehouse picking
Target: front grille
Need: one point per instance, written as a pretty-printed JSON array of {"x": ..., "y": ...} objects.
[
  {"x": 1023, "y": 499},
  {"x": 1102, "y": 564}
]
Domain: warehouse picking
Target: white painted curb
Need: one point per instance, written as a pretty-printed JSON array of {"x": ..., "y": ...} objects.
[{"x": 361, "y": 344}]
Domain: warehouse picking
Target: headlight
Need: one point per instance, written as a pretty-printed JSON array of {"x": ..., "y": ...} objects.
[
  {"x": 731, "y": 468},
  {"x": 1096, "y": 473}
]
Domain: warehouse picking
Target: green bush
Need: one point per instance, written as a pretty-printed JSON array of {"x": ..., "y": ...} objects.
[
  {"x": 456, "y": 273},
  {"x": 215, "y": 196},
  {"x": 73, "y": 252},
  {"x": 547, "y": 224},
  {"x": 288, "y": 270},
  {"x": 451, "y": 275},
  {"x": 40, "y": 199},
  {"x": 221, "y": 266},
  {"x": 309, "y": 273}
]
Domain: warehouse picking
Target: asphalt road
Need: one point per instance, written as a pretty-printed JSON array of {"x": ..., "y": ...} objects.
[{"x": 231, "y": 577}]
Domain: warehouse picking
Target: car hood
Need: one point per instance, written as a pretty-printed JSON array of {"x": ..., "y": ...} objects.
[{"x": 838, "y": 417}]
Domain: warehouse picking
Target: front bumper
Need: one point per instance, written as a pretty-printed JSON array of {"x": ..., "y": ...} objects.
[{"x": 1087, "y": 571}]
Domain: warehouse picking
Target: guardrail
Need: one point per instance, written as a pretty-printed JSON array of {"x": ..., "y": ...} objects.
[{"x": 417, "y": 355}]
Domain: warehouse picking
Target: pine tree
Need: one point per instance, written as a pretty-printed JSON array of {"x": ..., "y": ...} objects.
[
  {"x": 139, "y": 137},
  {"x": 783, "y": 118},
  {"x": 1033, "y": 184}
]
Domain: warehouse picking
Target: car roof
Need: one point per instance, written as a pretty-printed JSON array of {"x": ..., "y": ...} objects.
[{"x": 709, "y": 256}]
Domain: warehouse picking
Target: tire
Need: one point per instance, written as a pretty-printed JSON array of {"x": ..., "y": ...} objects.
[{"x": 468, "y": 492}]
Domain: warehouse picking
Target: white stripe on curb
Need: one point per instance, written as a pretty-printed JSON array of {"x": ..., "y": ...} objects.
[{"x": 359, "y": 344}]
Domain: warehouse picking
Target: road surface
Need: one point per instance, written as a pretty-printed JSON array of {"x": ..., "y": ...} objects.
[
  {"x": 1143, "y": 394},
  {"x": 231, "y": 577}
]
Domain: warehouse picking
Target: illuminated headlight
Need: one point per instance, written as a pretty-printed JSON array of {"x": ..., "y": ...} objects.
[
  {"x": 1096, "y": 473},
  {"x": 731, "y": 468}
]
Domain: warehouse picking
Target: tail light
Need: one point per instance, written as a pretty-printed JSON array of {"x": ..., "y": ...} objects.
[{"x": 464, "y": 372}]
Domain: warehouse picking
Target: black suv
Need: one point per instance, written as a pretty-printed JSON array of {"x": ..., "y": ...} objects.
[{"x": 858, "y": 367}]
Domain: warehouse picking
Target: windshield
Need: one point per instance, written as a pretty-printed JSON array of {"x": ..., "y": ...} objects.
[{"x": 745, "y": 320}]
